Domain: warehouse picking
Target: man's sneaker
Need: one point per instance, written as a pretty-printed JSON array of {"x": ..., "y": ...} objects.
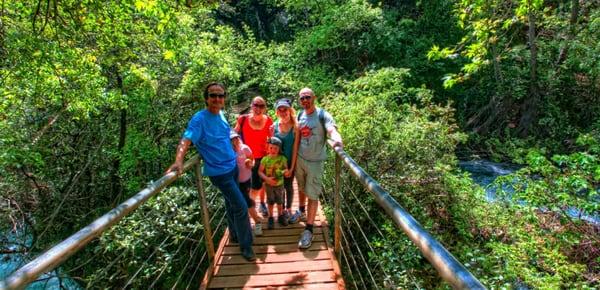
[
  {"x": 248, "y": 254},
  {"x": 258, "y": 229},
  {"x": 271, "y": 223},
  {"x": 294, "y": 218},
  {"x": 262, "y": 208},
  {"x": 305, "y": 240},
  {"x": 282, "y": 220}
]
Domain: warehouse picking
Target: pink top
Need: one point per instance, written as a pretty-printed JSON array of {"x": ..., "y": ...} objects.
[{"x": 243, "y": 154}]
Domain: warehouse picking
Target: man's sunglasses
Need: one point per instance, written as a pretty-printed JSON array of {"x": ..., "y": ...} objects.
[
  {"x": 260, "y": 106},
  {"x": 302, "y": 98},
  {"x": 220, "y": 96}
]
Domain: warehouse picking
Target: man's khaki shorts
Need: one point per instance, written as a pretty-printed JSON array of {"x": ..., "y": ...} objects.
[{"x": 309, "y": 175}]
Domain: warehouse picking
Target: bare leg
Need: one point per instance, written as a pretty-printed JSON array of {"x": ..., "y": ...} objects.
[
  {"x": 311, "y": 211},
  {"x": 254, "y": 215},
  {"x": 279, "y": 210},
  {"x": 261, "y": 193},
  {"x": 301, "y": 198},
  {"x": 270, "y": 206}
]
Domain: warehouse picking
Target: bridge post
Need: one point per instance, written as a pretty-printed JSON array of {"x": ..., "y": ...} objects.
[
  {"x": 210, "y": 248},
  {"x": 337, "y": 218}
]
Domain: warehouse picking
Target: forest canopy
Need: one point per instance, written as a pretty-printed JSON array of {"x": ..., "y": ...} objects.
[{"x": 94, "y": 96}]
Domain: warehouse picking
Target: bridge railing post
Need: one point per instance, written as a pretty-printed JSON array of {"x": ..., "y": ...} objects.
[
  {"x": 336, "y": 201},
  {"x": 210, "y": 247}
]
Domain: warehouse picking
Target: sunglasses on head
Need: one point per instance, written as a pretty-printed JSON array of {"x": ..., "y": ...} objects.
[
  {"x": 260, "y": 106},
  {"x": 213, "y": 95}
]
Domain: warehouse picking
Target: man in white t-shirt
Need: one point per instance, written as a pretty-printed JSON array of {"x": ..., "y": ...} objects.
[{"x": 315, "y": 124}]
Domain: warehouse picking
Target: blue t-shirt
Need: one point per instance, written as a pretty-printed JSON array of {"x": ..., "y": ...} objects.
[{"x": 210, "y": 134}]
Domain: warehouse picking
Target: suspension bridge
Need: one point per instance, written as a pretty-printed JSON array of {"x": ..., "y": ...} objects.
[{"x": 337, "y": 259}]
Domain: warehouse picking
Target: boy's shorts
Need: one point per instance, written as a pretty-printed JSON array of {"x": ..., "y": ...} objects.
[
  {"x": 309, "y": 175},
  {"x": 275, "y": 194}
]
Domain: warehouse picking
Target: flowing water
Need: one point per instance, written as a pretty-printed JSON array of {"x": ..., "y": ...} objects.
[{"x": 484, "y": 172}]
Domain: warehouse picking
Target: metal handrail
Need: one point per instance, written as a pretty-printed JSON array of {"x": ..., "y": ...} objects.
[
  {"x": 448, "y": 267},
  {"x": 56, "y": 255}
]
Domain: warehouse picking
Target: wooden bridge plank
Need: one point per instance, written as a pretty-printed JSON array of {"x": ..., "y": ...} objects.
[
  {"x": 314, "y": 286},
  {"x": 282, "y": 248},
  {"x": 276, "y": 257},
  {"x": 279, "y": 264},
  {"x": 273, "y": 279},
  {"x": 290, "y": 231},
  {"x": 275, "y": 268}
]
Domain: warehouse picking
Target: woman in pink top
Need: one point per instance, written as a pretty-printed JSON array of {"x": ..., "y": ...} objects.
[{"x": 254, "y": 129}]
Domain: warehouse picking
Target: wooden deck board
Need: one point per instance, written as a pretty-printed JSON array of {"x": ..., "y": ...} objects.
[
  {"x": 279, "y": 263},
  {"x": 273, "y": 279}
]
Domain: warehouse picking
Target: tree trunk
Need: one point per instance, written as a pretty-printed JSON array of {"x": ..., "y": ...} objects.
[
  {"x": 116, "y": 185},
  {"x": 3, "y": 53},
  {"x": 529, "y": 109},
  {"x": 562, "y": 56}
]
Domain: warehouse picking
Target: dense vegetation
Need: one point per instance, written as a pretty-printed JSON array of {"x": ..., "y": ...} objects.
[{"x": 94, "y": 96}]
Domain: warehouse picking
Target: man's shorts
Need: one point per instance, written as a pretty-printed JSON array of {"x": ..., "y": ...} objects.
[
  {"x": 309, "y": 175},
  {"x": 275, "y": 194},
  {"x": 256, "y": 180}
]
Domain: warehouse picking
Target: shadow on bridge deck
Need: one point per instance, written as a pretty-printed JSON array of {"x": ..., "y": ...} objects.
[{"x": 279, "y": 263}]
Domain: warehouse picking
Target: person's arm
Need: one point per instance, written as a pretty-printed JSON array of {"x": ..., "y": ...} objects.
[
  {"x": 261, "y": 173},
  {"x": 182, "y": 149},
  {"x": 286, "y": 172},
  {"x": 249, "y": 162},
  {"x": 295, "y": 148},
  {"x": 238, "y": 125},
  {"x": 335, "y": 136}
]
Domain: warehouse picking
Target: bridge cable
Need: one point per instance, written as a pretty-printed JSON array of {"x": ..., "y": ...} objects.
[{"x": 378, "y": 263}]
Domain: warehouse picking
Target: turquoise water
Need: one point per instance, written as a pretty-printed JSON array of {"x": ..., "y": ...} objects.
[
  {"x": 11, "y": 262},
  {"x": 484, "y": 172}
]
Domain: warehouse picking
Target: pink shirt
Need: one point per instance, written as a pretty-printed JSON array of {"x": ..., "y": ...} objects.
[{"x": 243, "y": 154}]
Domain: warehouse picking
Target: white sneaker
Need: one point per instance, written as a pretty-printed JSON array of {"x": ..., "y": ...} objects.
[{"x": 258, "y": 229}]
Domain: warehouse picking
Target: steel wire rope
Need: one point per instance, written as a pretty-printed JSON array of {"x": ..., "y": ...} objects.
[
  {"x": 105, "y": 269},
  {"x": 212, "y": 199},
  {"x": 196, "y": 270},
  {"x": 212, "y": 237},
  {"x": 346, "y": 223},
  {"x": 219, "y": 207},
  {"x": 205, "y": 252},
  {"x": 347, "y": 248},
  {"x": 366, "y": 212},
  {"x": 154, "y": 252},
  {"x": 110, "y": 265},
  {"x": 99, "y": 253},
  {"x": 345, "y": 258},
  {"x": 193, "y": 254},
  {"x": 356, "y": 245},
  {"x": 166, "y": 264},
  {"x": 145, "y": 262},
  {"x": 378, "y": 263}
]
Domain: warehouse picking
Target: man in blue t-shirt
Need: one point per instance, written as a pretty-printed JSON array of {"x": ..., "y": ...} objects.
[{"x": 209, "y": 131}]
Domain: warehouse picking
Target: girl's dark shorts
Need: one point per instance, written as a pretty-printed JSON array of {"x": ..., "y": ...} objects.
[
  {"x": 256, "y": 180},
  {"x": 245, "y": 189}
]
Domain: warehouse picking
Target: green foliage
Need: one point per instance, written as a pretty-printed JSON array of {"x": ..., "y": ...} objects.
[
  {"x": 151, "y": 240},
  {"x": 94, "y": 96}
]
